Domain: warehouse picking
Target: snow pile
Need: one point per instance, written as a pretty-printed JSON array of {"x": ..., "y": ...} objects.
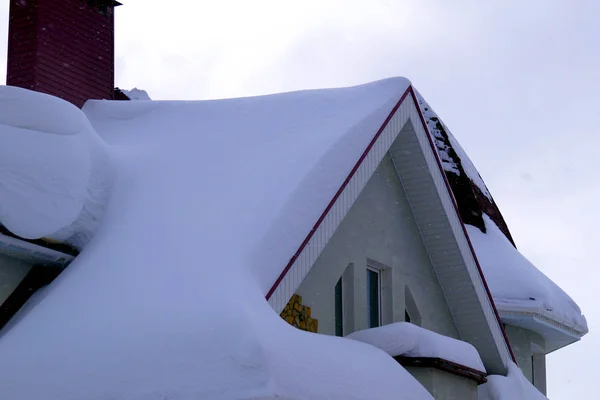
[
  {"x": 167, "y": 300},
  {"x": 55, "y": 172},
  {"x": 516, "y": 282},
  {"x": 136, "y": 94},
  {"x": 514, "y": 386},
  {"x": 449, "y": 149},
  {"x": 406, "y": 339}
]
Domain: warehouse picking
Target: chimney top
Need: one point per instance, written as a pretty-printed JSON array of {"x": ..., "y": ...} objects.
[{"x": 63, "y": 48}]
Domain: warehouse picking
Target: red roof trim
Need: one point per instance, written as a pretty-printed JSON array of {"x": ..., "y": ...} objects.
[
  {"x": 408, "y": 91},
  {"x": 439, "y": 162},
  {"x": 336, "y": 196}
]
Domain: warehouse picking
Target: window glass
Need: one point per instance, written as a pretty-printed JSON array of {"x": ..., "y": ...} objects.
[
  {"x": 339, "y": 311},
  {"x": 373, "y": 298}
]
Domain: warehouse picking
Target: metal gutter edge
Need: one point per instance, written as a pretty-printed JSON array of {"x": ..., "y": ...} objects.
[{"x": 26, "y": 251}]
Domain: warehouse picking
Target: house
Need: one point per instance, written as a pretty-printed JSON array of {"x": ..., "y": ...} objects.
[{"x": 193, "y": 230}]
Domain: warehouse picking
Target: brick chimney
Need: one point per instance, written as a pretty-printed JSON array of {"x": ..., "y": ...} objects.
[{"x": 62, "y": 47}]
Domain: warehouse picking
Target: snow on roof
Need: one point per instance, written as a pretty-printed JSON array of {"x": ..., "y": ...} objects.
[
  {"x": 136, "y": 94},
  {"x": 446, "y": 145},
  {"x": 406, "y": 339},
  {"x": 514, "y": 386},
  {"x": 517, "y": 284},
  {"x": 168, "y": 298},
  {"x": 55, "y": 170}
]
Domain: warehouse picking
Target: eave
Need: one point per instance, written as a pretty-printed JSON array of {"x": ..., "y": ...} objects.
[{"x": 556, "y": 334}]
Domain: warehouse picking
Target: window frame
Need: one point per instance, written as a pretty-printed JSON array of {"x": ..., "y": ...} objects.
[
  {"x": 339, "y": 312},
  {"x": 378, "y": 273}
]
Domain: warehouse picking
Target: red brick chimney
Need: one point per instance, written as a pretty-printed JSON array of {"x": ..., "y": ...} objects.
[{"x": 62, "y": 47}]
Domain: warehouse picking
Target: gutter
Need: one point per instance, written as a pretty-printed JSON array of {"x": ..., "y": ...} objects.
[{"x": 34, "y": 253}]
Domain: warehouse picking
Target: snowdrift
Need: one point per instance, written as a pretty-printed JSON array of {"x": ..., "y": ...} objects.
[{"x": 55, "y": 171}]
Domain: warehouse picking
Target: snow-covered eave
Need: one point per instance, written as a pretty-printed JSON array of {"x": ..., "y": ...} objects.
[
  {"x": 557, "y": 334},
  {"x": 31, "y": 252}
]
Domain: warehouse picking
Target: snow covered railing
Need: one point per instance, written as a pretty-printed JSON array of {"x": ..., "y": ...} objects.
[
  {"x": 443, "y": 365},
  {"x": 403, "y": 339}
]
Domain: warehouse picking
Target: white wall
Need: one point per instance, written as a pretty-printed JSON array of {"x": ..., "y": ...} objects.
[
  {"x": 379, "y": 230},
  {"x": 528, "y": 349}
]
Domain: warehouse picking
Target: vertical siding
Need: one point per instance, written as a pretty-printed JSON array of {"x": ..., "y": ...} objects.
[{"x": 64, "y": 48}]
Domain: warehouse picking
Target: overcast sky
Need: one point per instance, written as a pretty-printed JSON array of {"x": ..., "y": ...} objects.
[{"x": 517, "y": 82}]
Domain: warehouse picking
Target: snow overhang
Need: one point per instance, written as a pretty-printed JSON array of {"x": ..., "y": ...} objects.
[
  {"x": 34, "y": 253},
  {"x": 556, "y": 334}
]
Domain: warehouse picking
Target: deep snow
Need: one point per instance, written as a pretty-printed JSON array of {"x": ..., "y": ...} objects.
[
  {"x": 167, "y": 300},
  {"x": 514, "y": 386},
  {"x": 515, "y": 281},
  {"x": 55, "y": 172}
]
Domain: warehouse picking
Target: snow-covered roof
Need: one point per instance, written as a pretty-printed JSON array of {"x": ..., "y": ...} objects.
[
  {"x": 195, "y": 189},
  {"x": 168, "y": 299},
  {"x": 522, "y": 293},
  {"x": 136, "y": 94},
  {"x": 513, "y": 386}
]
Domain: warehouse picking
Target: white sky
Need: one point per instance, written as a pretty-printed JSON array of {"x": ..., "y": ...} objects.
[{"x": 517, "y": 82}]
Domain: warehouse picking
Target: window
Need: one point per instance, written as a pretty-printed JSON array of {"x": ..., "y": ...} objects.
[
  {"x": 532, "y": 370},
  {"x": 411, "y": 311},
  {"x": 373, "y": 298},
  {"x": 339, "y": 309}
]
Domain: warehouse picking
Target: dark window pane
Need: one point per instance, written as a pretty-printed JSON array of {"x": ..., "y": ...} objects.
[
  {"x": 373, "y": 298},
  {"x": 406, "y": 316},
  {"x": 339, "y": 314}
]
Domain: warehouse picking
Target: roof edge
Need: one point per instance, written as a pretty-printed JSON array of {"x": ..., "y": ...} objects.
[
  {"x": 464, "y": 228},
  {"x": 545, "y": 320}
]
